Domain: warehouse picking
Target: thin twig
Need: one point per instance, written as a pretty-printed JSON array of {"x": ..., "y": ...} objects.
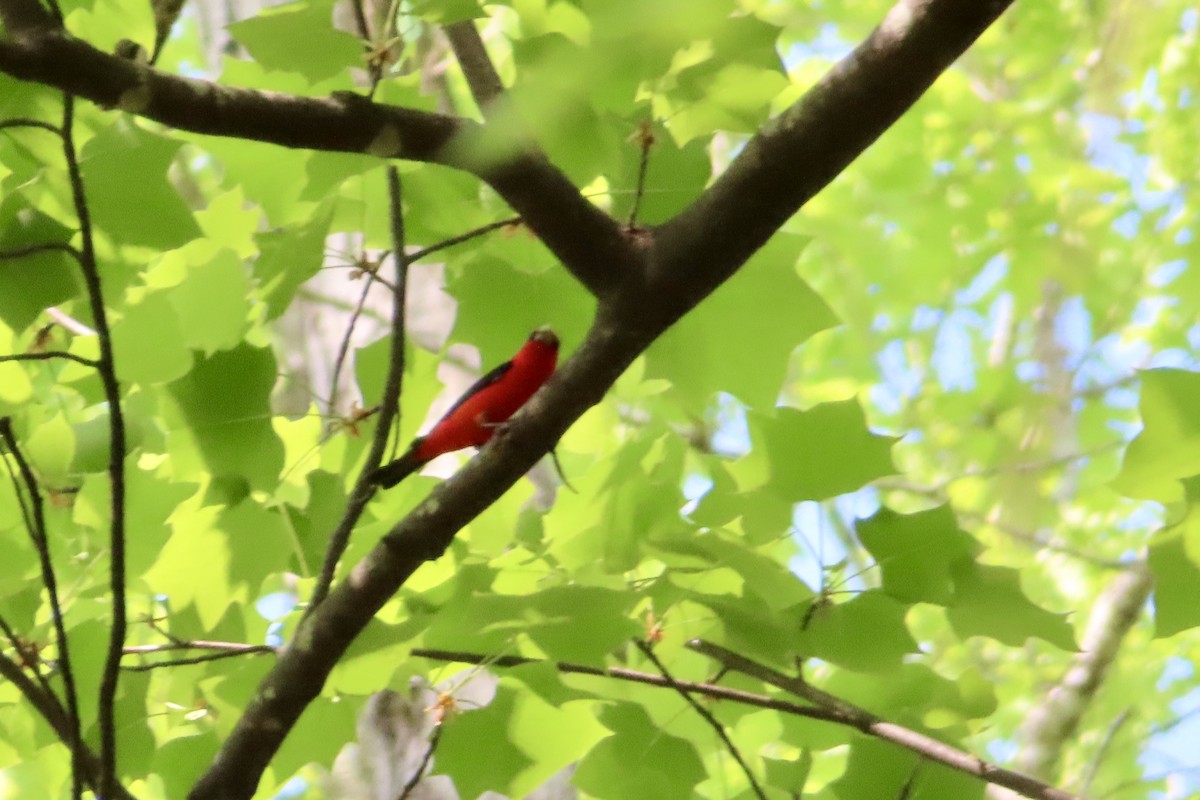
[
  {"x": 48, "y": 706},
  {"x": 68, "y": 322},
  {"x": 116, "y": 460},
  {"x": 389, "y": 407},
  {"x": 1093, "y": 768},
  {"x": 434, "y": 738},
  {"x": 462, "y": 237},
  {"x": 189, "y": 660},
  {"x": 197, "y": 644},
  {"x": 866, "y": 722},
  {"x": 21, "y": 648},
  {"x": 344, "y": 346},
  {"x": 707, "y": 715},
  {"x": 25, "y": 122},
  {"x": 645, "y": 139},
  {"x": 634, "y": 676},
  {"x": 41, "y": 543},
  {"x": 48, "y": 355},
  {"x": 44, "y": 247}
]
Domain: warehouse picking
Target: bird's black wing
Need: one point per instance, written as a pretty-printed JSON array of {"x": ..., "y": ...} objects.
[{"x": 478, "y": 386}]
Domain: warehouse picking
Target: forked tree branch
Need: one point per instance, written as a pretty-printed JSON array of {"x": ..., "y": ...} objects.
[
  {"x": 588, "y": 242},
  {"x": 643, "y": 289}
]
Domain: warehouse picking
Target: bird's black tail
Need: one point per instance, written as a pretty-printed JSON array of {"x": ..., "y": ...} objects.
[{"x": 389, "y": 475}]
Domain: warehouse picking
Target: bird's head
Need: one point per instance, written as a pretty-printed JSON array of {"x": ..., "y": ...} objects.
[{"x": 544, "y": 335}]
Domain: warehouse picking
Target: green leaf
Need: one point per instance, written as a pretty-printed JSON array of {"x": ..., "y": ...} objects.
[
  {"x": 499, "y": 305},
  {"x": 212, "y": 304},
  {"x": 288, "y": 259},
  {"x": 459, "y": 754},
  {"x": 727, "y": 344},
  {"x": 867, "y": 633},
  {"x": 1168, "y": 448},
  {"x": 299, "y": 37},
  {"x": 988, "y": 601},
  {"x": 638, "y": 760},
  {"x": 225, "y": 400},
  {"x": 182, "y": 760},
  {"x": 789, "y": 774},
  {"x": 150, "y": 342},
  {"x": 916, "y": 552},
  {"x": 31, "y": 283},
  {"x": 820, "y": 453},
  {"x": 125, "y": 176},
  {"x": 559, "y": 614},
  {"x": 1174, "y": 560}
]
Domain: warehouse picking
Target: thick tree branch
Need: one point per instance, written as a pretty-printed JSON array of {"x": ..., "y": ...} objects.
[
  {"x": 20, "y": 16},
  {"x": 807, "y": 146},
  {"x": 588, "y": 242},
  {"x": 322, "y": 637},
  {"x": 1051, "y": 723},
  {"x": 866, "y": 722},
  {"x": 780, "y": 169}
]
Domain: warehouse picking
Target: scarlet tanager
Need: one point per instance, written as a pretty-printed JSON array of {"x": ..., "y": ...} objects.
[{"x": 473, "y": 419}]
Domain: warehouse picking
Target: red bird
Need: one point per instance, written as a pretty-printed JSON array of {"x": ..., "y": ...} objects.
[{"x": 473, "y": 420}]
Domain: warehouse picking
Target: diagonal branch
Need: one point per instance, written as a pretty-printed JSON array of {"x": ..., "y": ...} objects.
[
  {"x": 809, "y": 144},
  {"x": 41, "y": 543},
  {"x": 51, "y": 710},
  {"x": 630, "y": 316},
  {"x": 325, "y": 634},
  {"x": 866, "y": 722},
  {"x": 20, "y": 16}
]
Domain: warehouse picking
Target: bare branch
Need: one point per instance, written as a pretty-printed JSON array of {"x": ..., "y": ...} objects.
[
  {"x": 24, "y": 122},
  {"x": 588, "y": 242},
  {"x": 868, "y": 723},
  {"x": 423, "y": 535},
  {"x": 47, "y": 355},
  {"x": 389, "y": 407},
  {"x": 20, "y": 16},
  {"x": 41, "y": 544},
  {"x": 116, "y": 459},
  {"x": 445, "y": 244},
  {"x": 48, "y": 706},
  {"x": 633, "y": 676},
  {"x": 1051, "y": 723},
  {"x": 434, "y": 738}
]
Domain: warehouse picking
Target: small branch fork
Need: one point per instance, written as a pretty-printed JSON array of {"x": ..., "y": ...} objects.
[{"x": 389, "y": 408}]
